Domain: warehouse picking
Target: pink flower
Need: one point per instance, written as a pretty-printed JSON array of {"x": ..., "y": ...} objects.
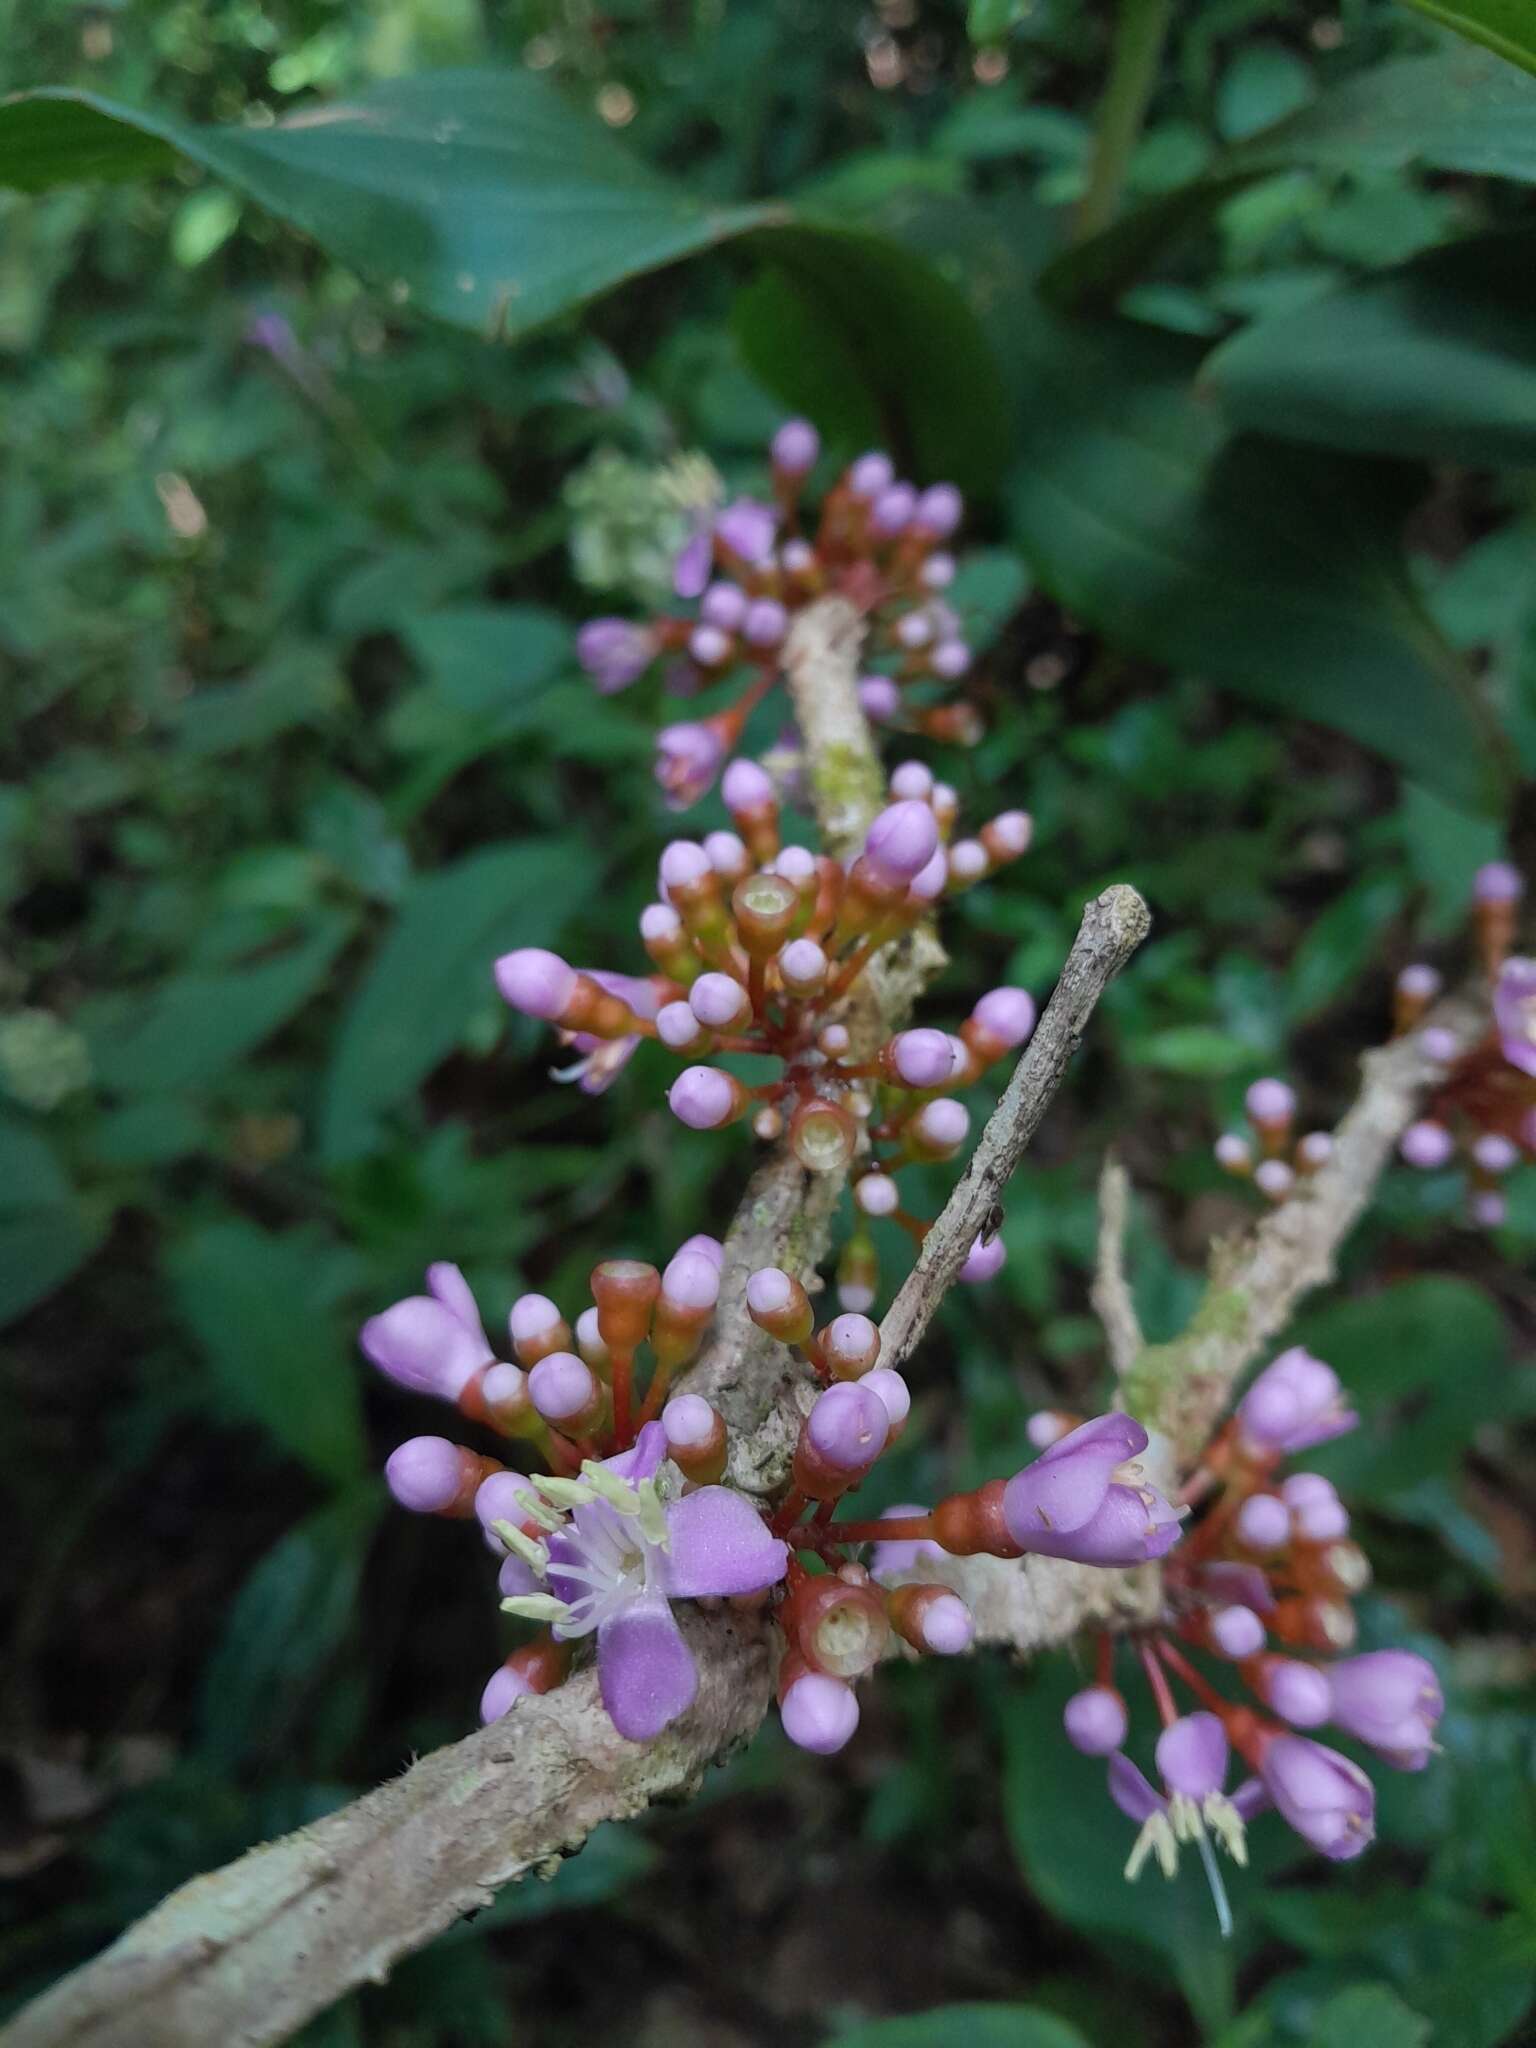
[
  {"x": 1514, "y": 1013},
  {"x": 433, "y": 1344},
  {"x": 1087, "y": 1499},
  {"x": 622, "y": 1556},
  {"x": 1328, "y": 1800},
  {"x": 604, "y": 1059}
]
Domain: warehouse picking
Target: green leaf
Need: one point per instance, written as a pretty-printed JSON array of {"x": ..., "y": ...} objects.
[
  {"x": 483, "y": 198},
  {"x": 1367, "y": 2016},
  {"x": 436, "y": 961},
  {"x": 46, "y": 1233},
  {"x": 286, "y": 1623},
  {"x": 1463, "y": 111},
  {"x": 1340, "y": 943},
  {"x": 1197, "y": 1049},
  {"x": 1436, "y": 359},
  {"x": 1270, "y": 569},
  {"x": 490, "y": 658},
  {"x": 262, "y": 1310},
  {"x": 478, "y": 195},
  {"x": 965, "y": 2026},
  {"x": 867, "y": 338},
  {"x": 1505, "y": 26},
  {"x": 186, "y": 1031}
]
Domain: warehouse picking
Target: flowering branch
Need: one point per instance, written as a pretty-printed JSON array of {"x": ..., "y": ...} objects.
[{"x": 1256, "y": 1281}]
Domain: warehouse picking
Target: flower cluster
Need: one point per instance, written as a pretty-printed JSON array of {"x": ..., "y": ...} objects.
[
  {"x": 750, "y": 566},
  {"x": 1282, "y": 1157},
  {"x": 632, "y": 1515},
  {"x": 757, "y": 948},
  {"x": 1260, "y": 1590},
  {"x": 1484, "y": 1108}
]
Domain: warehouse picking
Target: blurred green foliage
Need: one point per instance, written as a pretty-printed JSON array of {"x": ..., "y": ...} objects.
[{"x": 294, "y": 743}]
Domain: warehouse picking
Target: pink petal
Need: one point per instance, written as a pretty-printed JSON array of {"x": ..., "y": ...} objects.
[
  {"x": 644, "y": 1669},
  {"x": 719, "y": 1544},
  {"x": 452, "y": 1290},
  {"x": 643, "y": 1458}
]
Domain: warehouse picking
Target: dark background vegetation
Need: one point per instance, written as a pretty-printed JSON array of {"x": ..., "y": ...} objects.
[{"x": 293, "y": 743}]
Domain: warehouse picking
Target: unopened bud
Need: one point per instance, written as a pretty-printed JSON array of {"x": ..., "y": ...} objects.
[
  {"x": 777, "y": 1303},
  {"x": 720, "y": 1002},
  {"x": 938, "y": 1130},
  {"x": 696, "y": 1438},
  {"x": 754, "y": 807},
  {"x": 820, "y": 1714},
  {"x": 877, "y": 1194},
  {"x": 537, "y": 1328},
  {"x": 728, "y": 855},
  {"x": 566, "y": 1391},
  {"x": 679, "y": 1029},
  {"x": 431, "y": 1476},
  {"x": 803, "y": 968},
  {"x": 589, "y": 1342},
  {"x": 1271, "y": 1106},
  {"x": 1274, "y": 1179},
  {"x": 933, "y": 1619},
  {"x": 707, "y": 1098},
  {"x": 841, "y": 1438},
  {"x": 1314, "y": 1151},
  {"x": 504, "y": 1396},
  {"x": 850, "y": 1346},
  {"x": 1007, "y": 836},
  {"x": 663, "y": 936},
  {"x": 1234, "y": 1155},
  {"x": 918, "y": 1059}
]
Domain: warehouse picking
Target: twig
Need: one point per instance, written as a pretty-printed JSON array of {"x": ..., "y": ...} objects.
[
  {"x": 1256, "y": 1281},
  {"x": 1113, "y": 926},
  {"x": 1111, "y": 1292}
]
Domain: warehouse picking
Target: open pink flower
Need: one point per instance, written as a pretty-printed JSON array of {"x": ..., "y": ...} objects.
[
  {"x": 1514, "y": 1013},
  {"x": 604, "y": 1059},
  {"x": 619, "y": 1559},
  {"x": 1086, "y": 1498}
]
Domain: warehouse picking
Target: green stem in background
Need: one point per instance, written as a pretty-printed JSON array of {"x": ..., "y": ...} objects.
[{"x": 1141, "y": 29}]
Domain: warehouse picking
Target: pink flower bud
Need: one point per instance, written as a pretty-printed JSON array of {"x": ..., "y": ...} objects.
[
  {"x": 1233, "y": 1154},
  {"x": 563, "y": 1388},
  {"x": 778, "y": 1304},
  {"x": 678, "y": 1027},
  {"x": 819, "y": 1713},
  {"x": 1270, "y": 1102},
  {"x": 879, "y": 698},
  {"x": 719, "y": 1002},
  {"x": 914, "y": 630},
  {"x": 426, "y": 1474},
  {"x": 913, "y": 781},
  {"x": 746, "y": 787},
  {"x": 921, "y": 1059},
  {"x": 795, "y": 447},
  {"x": 938, "y": 572},
  {"x": 1494, "y": 1153},
  {"x": 504, "y": 1688},
  {"x": 766, "y": 623},
  {"x": 803, "y": 967},
  {"x": 877, "y": 1194},
  {"x": 950, "y": 660},
  {"x": 711, "y": 1247},
  {"x": 689, "y": 1421},
  {"x": 941, "y": 1624},
  {"x": 1439, "y": 1045},
  {"x": 900, "y": 842},
  {"x": 1298, "y": 1692},
  {"x": 537, "y": 1327},
  {"x": 1236, "y": 1632},
  {"x": 870, "y": 475},
  {"x": 748, "y": 530},
  {"x": 1419, "y": 982},
  {"x": 723, "y": 605},
  {"x": 891, "y": 510},
  {"x": 849, "y": 1425},
  {"x": 930, "y": 882},
  {"x": 1192, "y": 1756},
  {"x": 614, "y": 652},
  {"x": 1498, "y": 882},
  {"x": 938, "y": 512},
  {"x": 706, "y": 1099},
  {"x": 1096, "y": 1720},
  {"x": 538, "y": 983},
  {"x": 1005, "y": 1015},
  {"x": 683, "y": 865},
  {"x": 660, "y": 925},
  {"x": 1314, "y": 1150},
  {"x": 691, "y": 1280},
  {"x": 894, "y": 1394},
  {"x": 940, "y": 1128},
  {"x": 983, "y": 1262},
  {"x": 1263, "y": 1522},
  {"x": 1273, "y": 1178},
  {"x": 1490, "y": 1209},
  {"x": 850, "y": 1344},
  {"x": 496, "y": 1501}
]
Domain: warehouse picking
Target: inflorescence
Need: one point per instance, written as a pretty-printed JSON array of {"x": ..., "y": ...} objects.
[
  {"x": 761, "y": 950},
  {"x": 1484, "y": 1107},
  {"x": 1260, "y": 1591},
  {"x": 750, "y": 566}
]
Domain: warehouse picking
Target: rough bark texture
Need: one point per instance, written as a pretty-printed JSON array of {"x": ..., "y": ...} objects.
[{"x": 1113, "y": 926}]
